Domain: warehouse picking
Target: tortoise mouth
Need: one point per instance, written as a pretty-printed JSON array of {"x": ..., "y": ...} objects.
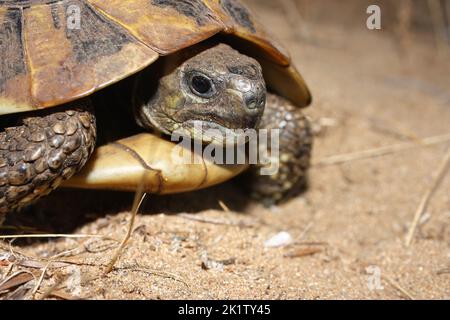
[{"x": 211, "y": 132}]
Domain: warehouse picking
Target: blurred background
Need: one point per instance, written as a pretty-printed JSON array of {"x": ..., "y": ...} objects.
[
  {"x": 403, "y": 19},
  {"x": 374, "y": 73}
]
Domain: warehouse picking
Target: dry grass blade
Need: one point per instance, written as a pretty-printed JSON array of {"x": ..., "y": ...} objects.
[
  {"x": 440, "y": 174},
  {"x": 62, "y": 295},
  {"x": 9, "y": 248},
  {"x": 217, "y": 221},
  {"x": 398, "y": 287},
  {"x": 49, "y": 291},
  {"x": 16, "y": 279},
  {"x": 223, "y": 206},
  {"x": 377, "y": 152},
  {"x": 159, "y": 273},
  {"x": 41, "y": 278},
  {"x": 443, "y": 271},
  {"x": 303, "y": 252},
  {"x": 52, "y": 259},
  {"x": 137, "y": 202}
]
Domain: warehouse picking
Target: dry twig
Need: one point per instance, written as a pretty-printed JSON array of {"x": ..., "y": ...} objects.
[
  {"x": 138, "y": 199},
  {"x": 217, "y": 221},
  {"x": 377, "y": 152},
  {"x": 398, "y": 287},
  {"x": 440, "y": 174},
  {"x": 303, "y": 252},
  {"x": 52, "y": 259},
  {"x": 223, "y": 206}
]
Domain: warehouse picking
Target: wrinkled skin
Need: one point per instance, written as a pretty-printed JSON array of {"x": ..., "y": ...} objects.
[{"x": 233, "y": 97}]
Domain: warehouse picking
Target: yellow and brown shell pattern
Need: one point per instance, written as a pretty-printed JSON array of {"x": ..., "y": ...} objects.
[{"x": 55, "y": 51}]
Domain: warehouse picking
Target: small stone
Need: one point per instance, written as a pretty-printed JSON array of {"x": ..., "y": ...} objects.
[{"x": 281, "y": 239}]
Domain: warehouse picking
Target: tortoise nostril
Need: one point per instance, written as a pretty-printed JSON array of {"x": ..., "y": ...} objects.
[
  {"x": 252, "y": 93},
  {"x": 262, "y": 101},
  {"x": 255, "y": 101},
  {"x": 251, "y": 102}
]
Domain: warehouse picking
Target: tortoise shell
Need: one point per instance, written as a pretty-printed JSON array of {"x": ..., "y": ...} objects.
[{"x": 55, "y": 51}]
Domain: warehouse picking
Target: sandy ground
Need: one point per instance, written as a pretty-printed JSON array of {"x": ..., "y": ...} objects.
[{"x": 347, "y": 229}]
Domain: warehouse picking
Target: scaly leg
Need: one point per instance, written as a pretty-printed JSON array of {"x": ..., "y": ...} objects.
[
  {"x": 42, "y": 150},
  {"x": 295, "y": 143}
]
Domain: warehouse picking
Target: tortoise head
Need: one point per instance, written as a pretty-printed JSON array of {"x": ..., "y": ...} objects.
[{"x": 218, "y": 88}]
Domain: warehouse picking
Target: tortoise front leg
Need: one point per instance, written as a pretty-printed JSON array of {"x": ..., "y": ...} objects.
[
  {"x": 41, "y": 149},
  {"x": 295, "y": 143}
]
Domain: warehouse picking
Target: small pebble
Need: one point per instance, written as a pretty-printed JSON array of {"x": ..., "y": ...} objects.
[{"x": 279, "y": 240}]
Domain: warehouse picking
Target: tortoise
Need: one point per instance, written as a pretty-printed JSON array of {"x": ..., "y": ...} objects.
[{"x": 90, "y": 90}]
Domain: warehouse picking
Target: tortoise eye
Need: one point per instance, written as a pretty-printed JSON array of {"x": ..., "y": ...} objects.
[{"x": 201, "y": 85}]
